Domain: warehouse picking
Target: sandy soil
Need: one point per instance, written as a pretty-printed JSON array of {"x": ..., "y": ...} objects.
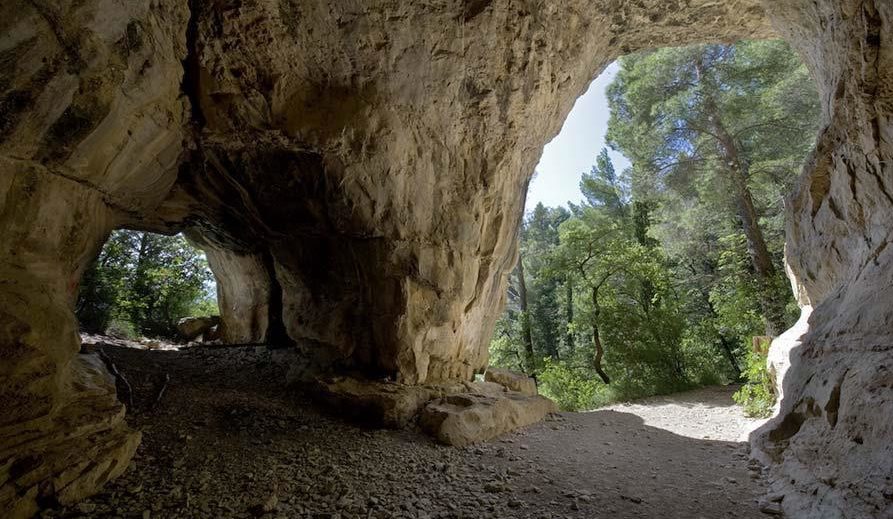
[{"x": 227, "y": 440}]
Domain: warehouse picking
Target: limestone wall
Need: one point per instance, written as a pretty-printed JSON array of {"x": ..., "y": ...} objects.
[
  {"x": 830, "y": 445},
  {"x": 91, "y": 130}
]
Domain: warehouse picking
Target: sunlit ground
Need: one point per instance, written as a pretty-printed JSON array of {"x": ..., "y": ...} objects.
[{"x": 706, "y": 414}]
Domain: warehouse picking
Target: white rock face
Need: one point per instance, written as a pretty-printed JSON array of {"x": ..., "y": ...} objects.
[
  {"x": 378, "y": 173},
  {"x": 830, "y": 446},
  {"x": 779, "y": 358},
  {"x": 356, "y": 172},
  {"x": 92, "y": 126},
  {"x": 243, "y": 295}
]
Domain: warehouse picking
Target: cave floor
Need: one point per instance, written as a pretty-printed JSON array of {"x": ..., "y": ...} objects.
[{"x": 223, "y": 441}]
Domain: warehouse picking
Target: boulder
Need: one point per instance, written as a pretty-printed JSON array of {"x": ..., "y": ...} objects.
[
  {"x": 512, "y": 380},
  {"x": 455, "y": 413},
  {"x": 466, "y": 418},
  {"x": 191, "y": 328},
  {"x": 379, "y": 403},
  {"x": 85, "y": 444}
]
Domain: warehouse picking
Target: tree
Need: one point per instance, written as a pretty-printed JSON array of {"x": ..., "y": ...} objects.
[
  {"x": 103, "y": 284},
  {"x": 707, "y": 122},
  {"x": 602, "y": 188},
  {"x": 660, "y": 276},
  {"x": 526, "y": 332},
  {"x": 612, "y": 268},
  {"x": 539, "y": 238},
  {"x": 148, "y": 280},
  {"x": 595, "y": 256}
]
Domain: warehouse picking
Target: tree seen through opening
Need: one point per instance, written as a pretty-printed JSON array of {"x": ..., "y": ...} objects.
[{"x": 669, "y": 274}]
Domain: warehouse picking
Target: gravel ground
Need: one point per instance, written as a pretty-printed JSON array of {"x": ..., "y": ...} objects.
[
  {"x": 708, "y": 413},
  {"x": 227, "y": 440}
]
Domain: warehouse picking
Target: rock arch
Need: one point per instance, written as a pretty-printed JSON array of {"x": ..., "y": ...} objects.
[{"x": 367, "y": 163}]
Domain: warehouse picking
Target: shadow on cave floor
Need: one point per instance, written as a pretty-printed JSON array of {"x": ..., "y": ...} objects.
[{"x": 226, "y": 440}]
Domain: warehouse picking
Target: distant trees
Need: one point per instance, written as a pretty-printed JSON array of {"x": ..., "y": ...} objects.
[
  {"x": 660, "y": 277},
  {"x": 143, "y": 283}
]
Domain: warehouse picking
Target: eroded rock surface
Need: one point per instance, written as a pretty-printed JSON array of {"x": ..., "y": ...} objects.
[
  {"x": 457, "y": 413},
  {"x": 383, "y": 404},
  {"x": 69, "y": 454},
  {"x": 511, "y": 380},
  {"x": 467, "y": 418},
  {"x": 830, "y": 446},
  {"x": 367, "y": 180},
  {"x": 359, "y": 169},
  {"x": 93, "y": 128}
]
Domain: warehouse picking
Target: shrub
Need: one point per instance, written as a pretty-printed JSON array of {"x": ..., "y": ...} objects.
[
  {"x": 204, "y": 307},
  {"x": 757, "y": 395},
  {"x": 504, "y": 354},
  {"x": 572, "y": 389}
]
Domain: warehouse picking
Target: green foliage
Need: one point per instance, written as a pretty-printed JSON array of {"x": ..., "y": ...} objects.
[
  {"x": 143, "y": 283},
  {"x": 757, "y": 395},
  {"x": 573, "y": 389},
  {"x": 663, "y": 266},
  {"x": 678, "y": 114},
  {"x": 505, "y": 347},
  {"x": 602, "y": 188},
  {"x": 206, "y": 305},
  {"x": 103, "y": 285}
]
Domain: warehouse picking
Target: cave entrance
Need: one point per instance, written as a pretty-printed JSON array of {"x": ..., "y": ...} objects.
[
  {"x": 150, "y": 289},
  {"x": 652, "y": 248}
]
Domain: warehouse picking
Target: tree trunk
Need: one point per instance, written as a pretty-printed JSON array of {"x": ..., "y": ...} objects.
[
  {"x": 142, "y": 251},
  {"x": 569, "y": 288},
  {"x": 641, "y": 222},
  {"x": 729, "y": 352},
  {"x": 728, "y": 349},
  {"x": 526, "y": 334},
  {"x": 139, "y": 287},
  {"x": 726, "y": 346},
  {"x": 737, "y": 169},
  {"x": 596, "y": 339}
]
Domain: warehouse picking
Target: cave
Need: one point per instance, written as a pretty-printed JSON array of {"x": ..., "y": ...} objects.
[{"x": 356, "y": 176}]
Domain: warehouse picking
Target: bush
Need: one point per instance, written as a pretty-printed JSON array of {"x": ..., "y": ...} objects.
[
  {"x": 705, "y": 364},
  {"x": 757, "y": 395},
  {"x": 504, "y": 354},
  {"x": 572, "y": 389}
]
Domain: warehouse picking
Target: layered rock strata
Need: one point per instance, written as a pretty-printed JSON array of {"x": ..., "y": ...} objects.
[{"x": 92, "y": 129}]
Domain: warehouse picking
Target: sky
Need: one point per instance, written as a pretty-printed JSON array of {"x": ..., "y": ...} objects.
[{"x": 572, "y": 152}]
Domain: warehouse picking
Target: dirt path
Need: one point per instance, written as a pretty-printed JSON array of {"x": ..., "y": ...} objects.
[
  {"x": 708, "y": 413},
  {"x": 225, "y": 442}
]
